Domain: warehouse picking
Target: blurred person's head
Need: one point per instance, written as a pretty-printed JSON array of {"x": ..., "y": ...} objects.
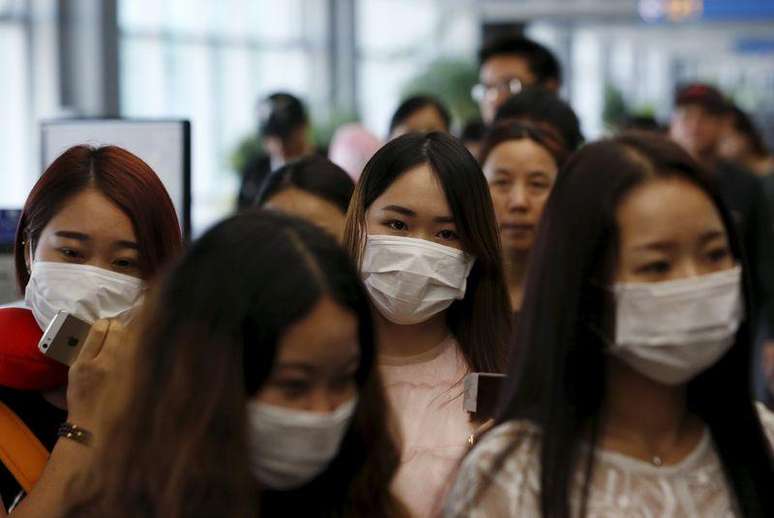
[
  {"x": 420, "y": 114},
  {"x": 312, "y": 188},
  {"x": 697, "y": 120},
  {"x": 740, "y": 139},
  {"x": 284, "y": 127},
  {"x": 352, "y": 146},
  {"x": 256, "y": 391},
  {"x": 426, "y": 190},
  {"x": 640, "y": 123},
  {"x": 472, "y": 134},
  {"x": 521, "y": 164},
  {"x": 509, "y": 64},
  {"x": 544, "y": 109}
]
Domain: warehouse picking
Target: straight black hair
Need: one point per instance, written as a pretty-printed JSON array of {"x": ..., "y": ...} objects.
[
  {"x": 545, "y": 109},
  {"x": 557, "y": 366},
  {"x": 313, "y": 174},
  {"x": 481, "y": 321},
  {"x": 413, "y": 104},
  {"x": 541, "y": 61}
]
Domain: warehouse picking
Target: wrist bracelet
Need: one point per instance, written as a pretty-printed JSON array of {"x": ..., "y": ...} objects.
[{"x": 75, "y": 433}]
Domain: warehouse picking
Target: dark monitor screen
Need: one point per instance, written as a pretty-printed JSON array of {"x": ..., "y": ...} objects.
[{"x": 9, "y": 220}]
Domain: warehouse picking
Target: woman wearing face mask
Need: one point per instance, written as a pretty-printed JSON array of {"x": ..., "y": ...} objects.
[
  {"x": 257, "y": 393},
  {"x": 95, "y": 228},
  {"x": 631, "y": 394},
  {"x": 422, "y": 229},
  {"x": 521, "y": 164}
]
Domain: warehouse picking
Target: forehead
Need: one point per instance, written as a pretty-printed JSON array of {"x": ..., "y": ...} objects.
[
  {"x": 666, "y": 209},
  {"x": 303, "y": 204},
  {"x": 520, "y": 155},
  {"x": 328, "y": 335},
  {"x": 418, "y": 189},
  {"x": 91, "y": 212},
  {"x": 506, "y": 66}
]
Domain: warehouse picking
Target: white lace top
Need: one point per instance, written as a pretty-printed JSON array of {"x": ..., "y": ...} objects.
[{"x": 620, "y": 485}]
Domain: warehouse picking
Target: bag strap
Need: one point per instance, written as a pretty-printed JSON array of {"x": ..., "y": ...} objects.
[{"x": 20, "y": 450}]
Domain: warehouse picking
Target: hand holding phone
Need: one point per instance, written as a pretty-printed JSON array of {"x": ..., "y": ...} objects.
[{"x": 64, "y": 337}]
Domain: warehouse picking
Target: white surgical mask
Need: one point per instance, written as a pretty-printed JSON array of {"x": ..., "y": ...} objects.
[
  {"x": 87, "y": 292},
  {"x": 411, "y": 280},
  {"x": 671, "y": 331},
  {"x": 288, "y": 448}
]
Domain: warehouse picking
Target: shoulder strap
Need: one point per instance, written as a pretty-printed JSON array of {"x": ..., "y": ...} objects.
[{"x": 20, "y": 451}]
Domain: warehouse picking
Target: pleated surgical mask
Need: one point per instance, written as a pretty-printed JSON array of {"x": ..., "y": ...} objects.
[
  {"x": 411, "y": 280},
  {"x": 87, "y": 292},
  {"x": 288, "y": 447},
  {"x": 671, "y": 331}
]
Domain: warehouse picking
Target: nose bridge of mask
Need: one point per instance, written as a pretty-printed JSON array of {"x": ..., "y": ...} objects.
[
  {"x": 665, "y": 313},
  {"x": 88, "y": 292},
  {"x": 441, "y": 265}
]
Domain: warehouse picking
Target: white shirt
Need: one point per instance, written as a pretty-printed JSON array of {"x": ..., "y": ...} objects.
[{"x": 620, "y": 485}]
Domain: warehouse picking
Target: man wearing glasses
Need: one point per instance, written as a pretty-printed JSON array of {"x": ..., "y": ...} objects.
[{"x": 506, "y": 65}]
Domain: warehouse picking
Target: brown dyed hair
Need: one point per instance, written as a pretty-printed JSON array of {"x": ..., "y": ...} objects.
[
  {"x": 126, "y": 181},
  {"x": 208, "y": 344},
  {"x": 481, "y": 321}
]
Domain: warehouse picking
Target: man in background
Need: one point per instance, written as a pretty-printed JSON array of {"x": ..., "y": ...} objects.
[
  {"x": 509, "y": 64},
  {"x": 283, "y": 126}
]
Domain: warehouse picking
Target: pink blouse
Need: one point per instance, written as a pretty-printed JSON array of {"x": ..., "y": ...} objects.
[{"x": 426, "y": 394}]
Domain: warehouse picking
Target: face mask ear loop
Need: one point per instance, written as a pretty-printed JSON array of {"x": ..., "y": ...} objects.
[{"x": 29, "y": 258}]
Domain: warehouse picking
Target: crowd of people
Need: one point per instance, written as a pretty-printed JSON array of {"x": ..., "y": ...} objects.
[{"x": 308, "y": 356}]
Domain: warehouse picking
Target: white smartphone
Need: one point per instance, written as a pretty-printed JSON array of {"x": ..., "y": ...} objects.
[{"x": 64, "y": 337}]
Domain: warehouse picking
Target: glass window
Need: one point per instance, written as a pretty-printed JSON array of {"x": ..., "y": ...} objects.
[{"x": 209, "y": 62}]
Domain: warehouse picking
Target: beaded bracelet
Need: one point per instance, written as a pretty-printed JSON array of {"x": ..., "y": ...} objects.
[{"x": 75, "y": 433}]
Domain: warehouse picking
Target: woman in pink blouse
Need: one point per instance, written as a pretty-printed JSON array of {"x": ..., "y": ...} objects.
[{"x": 422, "y": 229}]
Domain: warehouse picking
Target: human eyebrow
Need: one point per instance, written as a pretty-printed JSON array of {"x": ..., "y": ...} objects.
[
  {"x": 121, "y": 244},
  {"x": 443, "y": 219},
  {"x": 305, "y": 367},
  {"x": 709, "y": 236},
  {"x": 661, "y": 246},
  {"x": 70, "y": 234},
  {"x": 400, "y": 210}
]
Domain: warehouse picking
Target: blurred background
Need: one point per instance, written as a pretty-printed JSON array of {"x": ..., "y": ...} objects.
[{"x": 210, "y": 61}]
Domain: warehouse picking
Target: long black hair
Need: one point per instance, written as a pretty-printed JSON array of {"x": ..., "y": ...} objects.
[
  {"x": 480, "y": 321},
  {"x": 313, "y": 174},
  {"x": 208, "y": 343},
  {"x": 557, "y": 365}
]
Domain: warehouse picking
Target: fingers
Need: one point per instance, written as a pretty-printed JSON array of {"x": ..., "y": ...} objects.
[{"x": 94, "y": 341}]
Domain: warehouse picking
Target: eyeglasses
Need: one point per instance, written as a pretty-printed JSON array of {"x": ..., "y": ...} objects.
[{"x": 482, "y": 91}]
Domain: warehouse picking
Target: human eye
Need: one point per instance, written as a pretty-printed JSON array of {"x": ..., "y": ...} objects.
[
  {"x": 654, "y": 267},
  {"x": 125, "y": 264},
  {"x": 292, "y": 388},
  {"x": 70, "y": 254},
  {"x": 396, "y": 224},
  {"x": 718, "y": 254},
  {"x": 448, "y": 235}
]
